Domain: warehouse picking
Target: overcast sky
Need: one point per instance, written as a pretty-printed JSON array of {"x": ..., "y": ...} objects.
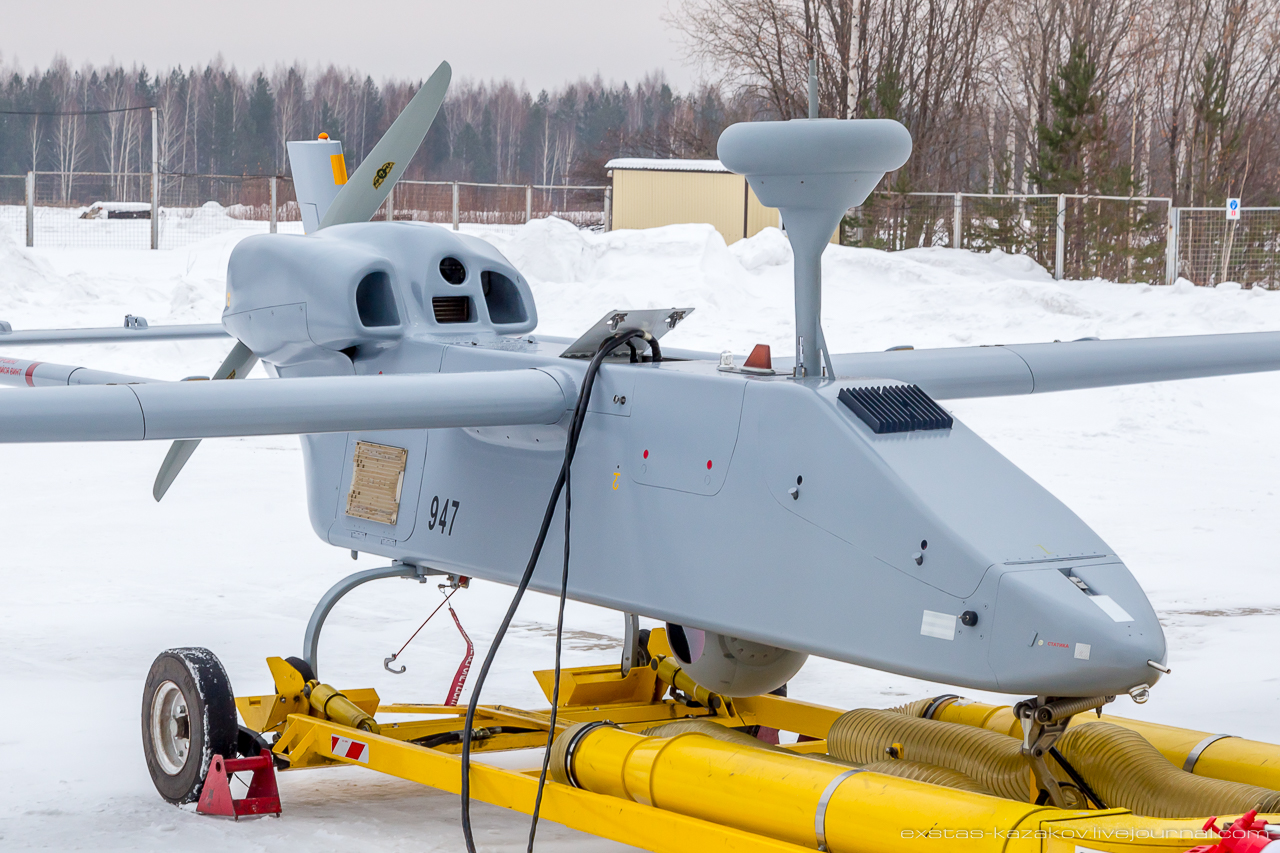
[{"x": 541, "y": 42}]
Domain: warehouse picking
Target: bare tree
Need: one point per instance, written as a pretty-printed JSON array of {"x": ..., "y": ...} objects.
[{"x": 69, "y": 139}]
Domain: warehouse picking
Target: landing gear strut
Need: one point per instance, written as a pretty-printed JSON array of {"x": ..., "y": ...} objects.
[{"x": 1043, "y": 722}]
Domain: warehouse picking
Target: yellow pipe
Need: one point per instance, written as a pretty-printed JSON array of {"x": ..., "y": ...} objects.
[
  {"x": 772, "y": 793},
  {"x": 1232, "y": 759},
  {"x": 778, "y": 796},
  {"x": 916, "y": 770},
  {"x": 1126, "y": 770}
]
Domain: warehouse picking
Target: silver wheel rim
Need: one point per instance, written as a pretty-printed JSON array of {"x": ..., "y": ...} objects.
[{"x": 170, "y": 728}]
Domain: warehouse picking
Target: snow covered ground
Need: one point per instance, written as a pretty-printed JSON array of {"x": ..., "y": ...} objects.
[{"x": 96, "y": 578}]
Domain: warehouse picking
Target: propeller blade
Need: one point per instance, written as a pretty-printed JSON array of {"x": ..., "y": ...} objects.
[
  {"x": 179, "y": 452},
  {"x": 366, "y": 190},
  {"x": 236, "y": 365}
]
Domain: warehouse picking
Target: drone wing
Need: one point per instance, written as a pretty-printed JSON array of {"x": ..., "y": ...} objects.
[
  {"x": 195, "y": 410},
  {"x": 113, "y": 334},
  {"x": 996, "y": 371}
]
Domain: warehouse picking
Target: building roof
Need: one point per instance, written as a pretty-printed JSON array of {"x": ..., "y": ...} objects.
[{"x": 648, "y": 164}]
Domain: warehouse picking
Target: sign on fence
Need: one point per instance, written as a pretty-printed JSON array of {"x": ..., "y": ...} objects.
[{"x": 1233, "y": 208}]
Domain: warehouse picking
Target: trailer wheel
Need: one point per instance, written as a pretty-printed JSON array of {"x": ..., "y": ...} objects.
[
  {"x": 304, "y": 669},
  {"x": 188, "y": 716}
]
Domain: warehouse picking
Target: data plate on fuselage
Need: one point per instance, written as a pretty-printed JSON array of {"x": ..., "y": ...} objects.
[{"x": 377, "y": 476}]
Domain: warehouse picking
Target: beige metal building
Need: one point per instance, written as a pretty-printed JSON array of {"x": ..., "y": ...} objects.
[{"x": 649, "y": 193}]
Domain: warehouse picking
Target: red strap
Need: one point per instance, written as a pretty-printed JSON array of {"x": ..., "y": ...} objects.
[{"x": 460, "y": 677}]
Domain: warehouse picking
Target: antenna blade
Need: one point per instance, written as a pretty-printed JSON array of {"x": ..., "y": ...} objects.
[
  {"x": 236, "y": 365},
  {"x": 362, "y": 195}
]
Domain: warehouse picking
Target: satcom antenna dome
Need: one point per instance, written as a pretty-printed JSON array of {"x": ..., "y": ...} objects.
[{"x": 813, "y": 170}]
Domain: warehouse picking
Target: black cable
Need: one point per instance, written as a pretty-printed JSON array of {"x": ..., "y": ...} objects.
[
  {"x": 571, "y": 442},
  {"x": 431, "y": 741},
  {"x": 580, "y": 416},
  {"x": 71, "y": 112},
  {"x": 1076, "y": 777}
]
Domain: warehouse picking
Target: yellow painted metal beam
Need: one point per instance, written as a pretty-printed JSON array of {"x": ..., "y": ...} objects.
[
  {"x": 601, "y": 685},
  {"x": 310, "y": 743},
  {"x": 623, "y": 714},
  {"x": 789, "y": 715}
]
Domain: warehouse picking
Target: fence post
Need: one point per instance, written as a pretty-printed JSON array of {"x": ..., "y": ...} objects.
[
  {"x": 391, "y": 204},
  {"x": 1060, "y": 239},
  {"x": 31, "y": 209},
  {"x": 273, "y": 216},
  {"x": 528, "y": 202},
  {"x": 608, "y": 208},
  {"x": 957, "y": 223},
  {"x": 155, "y": 179},
  {"x": 455, "y": 205},
  {"x": 1171, "y": 247}
]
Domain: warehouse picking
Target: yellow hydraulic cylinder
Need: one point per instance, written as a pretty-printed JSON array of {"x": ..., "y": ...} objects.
[
  {"x": 787, "y": 797},
  {"x": 843, "y": 810},
  {"x": 669, "y": 672},
  {"x": 332, "y": 704},
  {"x": 1212, "y": 756}
]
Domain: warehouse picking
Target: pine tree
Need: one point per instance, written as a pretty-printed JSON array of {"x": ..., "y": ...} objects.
[
  {"x": 258, "y": 149},
  {"x": 1076, "y": 123}
]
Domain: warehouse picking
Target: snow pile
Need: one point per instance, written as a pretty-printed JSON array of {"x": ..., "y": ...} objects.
[
  {"x": 1178, "y": 477},
  {"x": 871, "y": 299}
]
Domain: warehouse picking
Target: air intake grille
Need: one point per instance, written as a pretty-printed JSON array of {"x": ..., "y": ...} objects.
[
  {"x": 895, "y": 408},
  {"x": 451, "y": 309}
]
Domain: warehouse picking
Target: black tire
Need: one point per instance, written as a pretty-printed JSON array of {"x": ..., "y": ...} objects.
[
  {"x": 190, "y": 689},
  {"x": 249, "y": 744},
  {"x": 304, "y": 669}
]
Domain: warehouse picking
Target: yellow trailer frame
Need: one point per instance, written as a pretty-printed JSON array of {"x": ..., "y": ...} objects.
[
  {"x": 634, "y": 702},
  {"x": 637, "y": 701}
]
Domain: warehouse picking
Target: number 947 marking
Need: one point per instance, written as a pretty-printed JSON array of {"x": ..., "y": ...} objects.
[{"x": 441, "y": 516}]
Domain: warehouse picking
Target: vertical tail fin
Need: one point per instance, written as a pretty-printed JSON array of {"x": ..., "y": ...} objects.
[{"x": 319, "y": 173}]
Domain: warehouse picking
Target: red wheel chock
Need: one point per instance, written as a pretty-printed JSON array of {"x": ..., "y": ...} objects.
[{"x": 263, "y": 796}]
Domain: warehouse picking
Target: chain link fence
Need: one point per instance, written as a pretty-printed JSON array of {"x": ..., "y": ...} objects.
[
  {"x": 1075, "y": 236},
  {"x": 1213, "y": 249},
  {"x": 104, "y": 210},
  {"x": 13, "y": 206},
  {"x": 500, "y": 204}
]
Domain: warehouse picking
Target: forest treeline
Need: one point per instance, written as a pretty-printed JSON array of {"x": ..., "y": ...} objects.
[
  {"x": 1121, "y": 97},
  {"x": 1149, "y": 97},
  {"x": 217, "y": 120}
]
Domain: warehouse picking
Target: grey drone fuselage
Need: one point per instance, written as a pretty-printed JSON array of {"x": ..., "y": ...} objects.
[{"x": 759, "y": 507}]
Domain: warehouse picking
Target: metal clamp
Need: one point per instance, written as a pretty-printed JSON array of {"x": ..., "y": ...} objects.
[
  {"x": 820, "y": 816},
  {"x": 1194, "y": 755},
  {"x": 572, "y": 747},
  {"x": 936, "y": 705}
]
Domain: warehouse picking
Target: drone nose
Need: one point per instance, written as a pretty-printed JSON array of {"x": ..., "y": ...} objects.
[{"x": 1075, "y": 632}]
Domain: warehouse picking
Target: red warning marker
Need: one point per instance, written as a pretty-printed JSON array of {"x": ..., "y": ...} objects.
[
  {"x": 646, "y": 454},
  {"x": 760, "y": 358},
  {"x": 708, "y": 464}
]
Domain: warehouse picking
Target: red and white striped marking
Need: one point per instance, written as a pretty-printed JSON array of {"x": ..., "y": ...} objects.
[{"x": 345, "y": 747}]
